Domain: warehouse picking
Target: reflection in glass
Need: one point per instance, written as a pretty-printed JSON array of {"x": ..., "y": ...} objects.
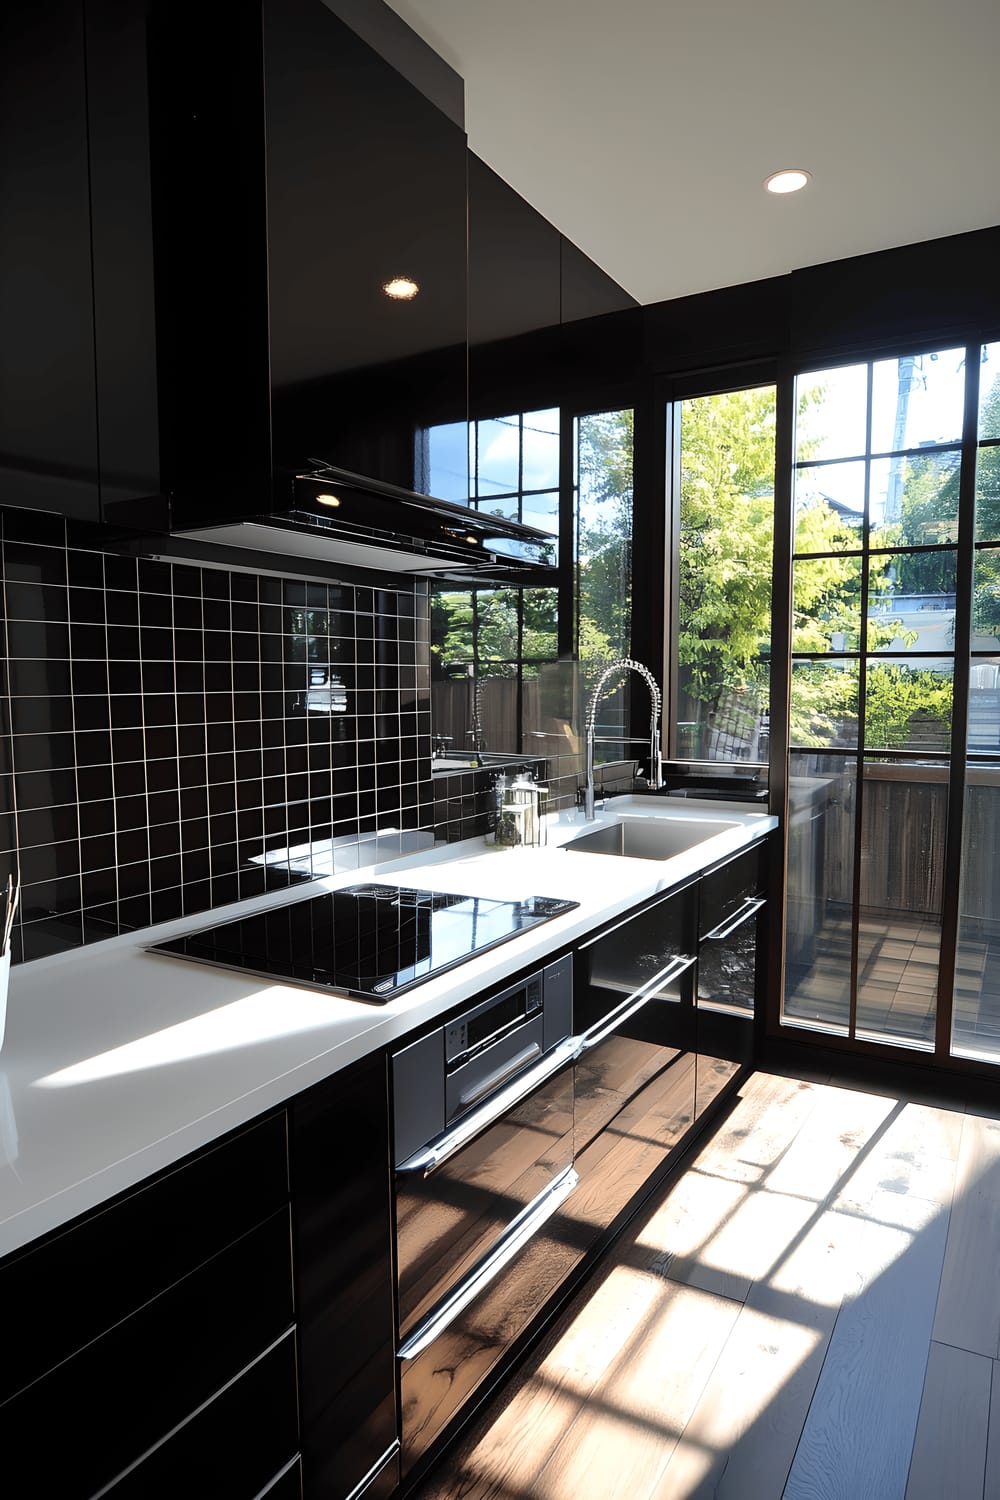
[
  {"x": 826, "y": 604},
  {"x": 832, "y": 407},
  {"x": 821, "y": 804},
  {"x": 989, "y": 392},
  {"x": 911, "y": 605},
  {"x": 976, "y": 1006},
  {"x": 829, "y": 507},
  {"x": 908, "y": 707},
  {"x": 917, "y": 399},
  {"x": 824, "y": 704},
  {"x": 904, "y": 825},
  {"x": 914, "y": 501}
]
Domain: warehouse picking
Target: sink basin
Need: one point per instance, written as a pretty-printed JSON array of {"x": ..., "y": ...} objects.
[{"x": 648, "y": 838}]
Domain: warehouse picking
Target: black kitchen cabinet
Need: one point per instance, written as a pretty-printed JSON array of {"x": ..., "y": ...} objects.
[
  {"x": 671, "y": 990},
  {"x": 297, "y": 173},
  {"x": 732, "y": 907},
  {"x": 143, "y": 1334},
  {"x": 527, "y": 282},
  {"x": 340, "y": 1168},
  {"x": 635, "y": 1078},
  {"x": 79, "y": 421},
  {"x": 48, "y": 393}
]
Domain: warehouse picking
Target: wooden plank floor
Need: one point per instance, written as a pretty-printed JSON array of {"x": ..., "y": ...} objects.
[{"x": 812, "y": 1310}]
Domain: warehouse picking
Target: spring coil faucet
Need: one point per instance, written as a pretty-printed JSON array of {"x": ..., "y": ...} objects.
[{"x": 626, "y": 664}]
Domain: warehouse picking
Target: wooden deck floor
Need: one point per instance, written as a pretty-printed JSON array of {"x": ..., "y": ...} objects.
[{"x": 812, "y": 1311}]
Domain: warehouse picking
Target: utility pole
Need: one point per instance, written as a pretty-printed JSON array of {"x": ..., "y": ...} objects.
[{"x": 907, "y": 380}]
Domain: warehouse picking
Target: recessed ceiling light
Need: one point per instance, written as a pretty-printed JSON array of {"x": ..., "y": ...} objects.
[
  {"x": 327, "y": 500},
  {"x": 400, "y": 288},
  {"x": 788, "y": 181}
]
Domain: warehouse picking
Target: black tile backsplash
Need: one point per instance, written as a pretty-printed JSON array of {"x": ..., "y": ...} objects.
[{"x": 163, "y": 727}]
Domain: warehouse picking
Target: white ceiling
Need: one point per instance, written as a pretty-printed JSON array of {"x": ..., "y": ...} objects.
[{"x": 643, "y": 129}]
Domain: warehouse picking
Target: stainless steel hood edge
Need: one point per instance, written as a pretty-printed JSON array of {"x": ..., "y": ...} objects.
[{"x": 330, "y": 515}]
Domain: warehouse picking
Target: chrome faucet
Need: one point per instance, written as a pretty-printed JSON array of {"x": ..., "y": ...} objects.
[{"x": 626, "y": 664}]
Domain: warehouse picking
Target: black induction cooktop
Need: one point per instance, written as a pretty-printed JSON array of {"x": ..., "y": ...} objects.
[{"x": 368, "y": 941}]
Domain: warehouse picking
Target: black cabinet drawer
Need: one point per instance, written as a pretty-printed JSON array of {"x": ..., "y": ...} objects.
[
  {"x": 99, "y": 1411},
  {"x": 343, "y": 1268},
  {"x": 627, "y": 957},
  {"x": 63, "y": 1292},
  {"x": 724, "y": 891},
  {"x": 437, "y": 1384},
  {"x": 287, "y": 1486},
  {"x": 232, "y": 1447}
]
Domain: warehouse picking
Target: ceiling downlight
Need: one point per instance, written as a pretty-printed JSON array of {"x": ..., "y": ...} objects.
[{"x": 788, "y": 180}]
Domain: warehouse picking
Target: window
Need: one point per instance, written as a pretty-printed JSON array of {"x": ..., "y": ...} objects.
[
  {"x": 876, "y": 482},
  {"x": 602, "y": 526},
  {"x": 489, "y": 643},
  {"x": 724, "y": 542}
]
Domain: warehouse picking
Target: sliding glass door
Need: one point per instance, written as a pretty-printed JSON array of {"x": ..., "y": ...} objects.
[{"x": 892, "y": 909}]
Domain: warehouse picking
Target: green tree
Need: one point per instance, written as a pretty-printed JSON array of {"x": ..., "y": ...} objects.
[
  {"x": 726, "y": 543},
  {"x": 604, "y": 538}
]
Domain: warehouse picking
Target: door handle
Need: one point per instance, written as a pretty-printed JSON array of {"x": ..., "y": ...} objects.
[
  {"x": 500, "y": 1075},
  {"x": 437, "y": 1151},
  {"x": 513, "y": 1240},
  {"x": 630, "y": 1007},
  {"x": 747, "y": 910}
]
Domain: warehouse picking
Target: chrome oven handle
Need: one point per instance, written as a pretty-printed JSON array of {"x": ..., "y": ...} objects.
[
  {"x": 630, "y": 1007},
  {"x": 500, "y": 1075},
  {"x": 513, "y": 1240},
  {"x": 437, "y": 1151},
  {"x": 747, "y": 910}
]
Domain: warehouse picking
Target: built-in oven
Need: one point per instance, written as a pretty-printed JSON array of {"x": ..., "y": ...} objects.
[{"x": 483, "y": 1122}]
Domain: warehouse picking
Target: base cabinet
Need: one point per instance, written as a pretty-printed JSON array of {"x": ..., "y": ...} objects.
[
  {"x": 154, "y": 1340},
  {"x": 341, "y": 1212},
  {"x": 676, "y": 1032},
  {"x": 731, "y": 911},
  {"x": 229, "y": 1326}
]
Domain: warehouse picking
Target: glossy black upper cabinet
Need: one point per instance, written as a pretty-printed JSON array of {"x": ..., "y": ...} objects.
[
  {"x": 514, "y": 254},
  {"x": 48, "y": 399},
  {"x": 527, "y": 283},
  {"x": 297, "y": 174}
]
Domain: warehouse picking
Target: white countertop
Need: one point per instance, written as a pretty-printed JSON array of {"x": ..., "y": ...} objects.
[{"x": 117, "y": 1061}]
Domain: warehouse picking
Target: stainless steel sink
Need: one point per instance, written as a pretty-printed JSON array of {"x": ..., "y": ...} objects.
[{"x": 648, "y": 838}]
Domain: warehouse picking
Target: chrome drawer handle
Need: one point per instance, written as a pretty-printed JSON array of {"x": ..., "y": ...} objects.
[
  {"x": 513, "y": 1240},
  {"x": 747, "y": 910},
  {"x": 438, "y": 1151},
  {"x": 633, "y": 1004},
  {"x": 500, "y": 1075}
]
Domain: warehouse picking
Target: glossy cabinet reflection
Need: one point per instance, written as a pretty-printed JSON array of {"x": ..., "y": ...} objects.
[
  {"x": 527, "y": 282},
  {"x": 341, "y": 1226},
  {"x": 157, "y": 1333},
  {"x": 635, "y": 1080},
  {"x": 732, "y": 911},
  {"x": 48, "y": 397}
]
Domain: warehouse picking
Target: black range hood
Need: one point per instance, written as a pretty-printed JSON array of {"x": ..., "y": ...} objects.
[
  {"x": 299, "y": 178},
  {"x": 331, "y": 515}
]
